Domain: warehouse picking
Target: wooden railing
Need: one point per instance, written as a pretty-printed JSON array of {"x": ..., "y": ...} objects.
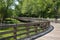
[{"x": 23, "y": 30}]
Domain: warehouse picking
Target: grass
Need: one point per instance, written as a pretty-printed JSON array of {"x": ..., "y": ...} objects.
[{"x": 19, "y": 32}]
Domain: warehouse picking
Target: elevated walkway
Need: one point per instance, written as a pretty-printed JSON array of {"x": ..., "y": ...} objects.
[{"x": 54, "y": 35}]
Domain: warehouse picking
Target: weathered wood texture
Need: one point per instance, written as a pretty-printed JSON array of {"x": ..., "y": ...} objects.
[{"x": 37, "y": 26}]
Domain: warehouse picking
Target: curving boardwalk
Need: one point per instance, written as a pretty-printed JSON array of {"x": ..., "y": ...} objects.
[{"x": 53, "y": 35}]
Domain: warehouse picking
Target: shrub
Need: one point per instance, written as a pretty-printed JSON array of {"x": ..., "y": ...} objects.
[{"x": 11, "y": 21}]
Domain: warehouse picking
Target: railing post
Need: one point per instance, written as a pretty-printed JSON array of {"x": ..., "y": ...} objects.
[
  {"x": 15, "y": 32},
  {"x": 36, "y": 30},
  {"x": 48, "y": 23},
  {"x": 27, "y": 28}
]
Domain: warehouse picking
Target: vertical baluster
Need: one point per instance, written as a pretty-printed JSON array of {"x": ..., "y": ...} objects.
[
  {"x": 27, "y": 28},
  {"x": 15, "y": 32},
  {"x": 36, "y": 29},
  {"x": 48, "y": 24}
]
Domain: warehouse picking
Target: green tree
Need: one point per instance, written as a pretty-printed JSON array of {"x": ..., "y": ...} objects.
[{"x": 5, "y": 10}]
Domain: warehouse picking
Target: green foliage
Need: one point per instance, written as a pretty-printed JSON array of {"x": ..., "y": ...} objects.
[
  {"x": 11, "y": 21},
  {"x": 39, "y": 8},
  {"x": 6, "y": 10},
  {"x": 29, "y": 8}
]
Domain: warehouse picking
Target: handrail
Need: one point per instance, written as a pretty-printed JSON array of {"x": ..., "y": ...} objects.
[{"x": 36, "y": 27}]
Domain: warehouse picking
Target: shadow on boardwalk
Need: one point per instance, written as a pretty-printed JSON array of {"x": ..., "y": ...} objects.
[{"x": 54, "y": 35}]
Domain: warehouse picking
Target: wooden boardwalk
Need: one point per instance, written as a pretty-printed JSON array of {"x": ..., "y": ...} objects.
[{"x": 53, "y": 35}]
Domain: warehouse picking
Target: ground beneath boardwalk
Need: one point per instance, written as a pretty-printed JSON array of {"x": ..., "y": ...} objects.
[{"x": 53, "y": 35}]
